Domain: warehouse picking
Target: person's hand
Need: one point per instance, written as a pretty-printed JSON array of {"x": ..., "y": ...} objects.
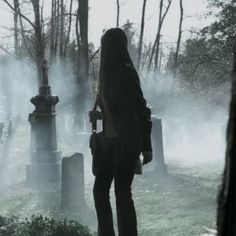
[
  {"x": 147, "y": 157},
  {"x": 94, "y": 116}
]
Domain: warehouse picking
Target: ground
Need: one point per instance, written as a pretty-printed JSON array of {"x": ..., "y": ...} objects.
[{"x": 182, "y": 204}]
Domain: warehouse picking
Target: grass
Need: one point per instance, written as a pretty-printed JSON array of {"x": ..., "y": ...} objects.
[{"x": 180, "y": 205}]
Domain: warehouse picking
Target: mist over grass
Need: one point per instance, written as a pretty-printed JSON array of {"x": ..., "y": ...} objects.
[
  {"x": 194, "y": 120},
  {"x": 194, "y": 126}
]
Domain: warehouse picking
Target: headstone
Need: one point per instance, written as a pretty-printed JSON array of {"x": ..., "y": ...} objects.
[
  {"x": 72, "y": 184},
  {"x": 157, "y": 145}
]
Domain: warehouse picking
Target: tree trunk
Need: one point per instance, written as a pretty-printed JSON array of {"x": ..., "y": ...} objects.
[
  {"x": 158, "y": 37},
  {"x": 156, "y": 45},
  {"x": 62, "y": 15},
  {"x": 39, "y": 42},
  {"x": 226, "y": 217},
  {"x": 179, "y": 38},
  {"x": 84, "y": 54},
  {"x": 69, "y": 28},
  {"x": 118, "y": 13},
  {"x": 160, "y": 57},
  {"x": 83, "y": 58},
  {"x": 16, "y": 29},
  {"x": 52, "y": 31},
  {"x": 57, "y": 27},
  {"x": 140, "y": 46}
]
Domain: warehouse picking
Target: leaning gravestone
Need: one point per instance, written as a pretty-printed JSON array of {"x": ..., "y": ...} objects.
[{"x": 72, "y": 188}]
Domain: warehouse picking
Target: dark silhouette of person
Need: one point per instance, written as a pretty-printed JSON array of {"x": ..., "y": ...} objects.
[{"x": 126, "y": 129}]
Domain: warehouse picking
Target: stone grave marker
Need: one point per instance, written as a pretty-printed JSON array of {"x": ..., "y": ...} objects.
[{"x": 72, "y": 184}]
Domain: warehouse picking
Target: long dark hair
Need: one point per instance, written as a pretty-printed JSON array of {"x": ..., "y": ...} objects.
[{"x": 114, "y": 57}]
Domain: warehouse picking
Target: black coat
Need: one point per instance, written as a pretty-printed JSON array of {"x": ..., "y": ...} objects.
[{"x": 130, "y": 114}]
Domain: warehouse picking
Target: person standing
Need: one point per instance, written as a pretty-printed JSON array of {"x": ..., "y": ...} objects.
[{"x": 126, "y": 131}]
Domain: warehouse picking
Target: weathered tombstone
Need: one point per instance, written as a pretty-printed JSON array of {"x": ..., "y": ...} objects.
[
  {"x": 157, "y": 145},
  {"x": 10, "y": 129},
  {"x": 1, "y": 131},
  {"x": 45, "y": 157},
  {"x": 72, "y": 184}
]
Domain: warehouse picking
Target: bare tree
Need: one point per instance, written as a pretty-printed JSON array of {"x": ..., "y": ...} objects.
[
  {"x": 140, "y": 46},
  {"x": 179, "y": 37},
  {"x": 57, "y": 28},
  {"x": 69, "y": 28},
  {"x": 39, "y": 41},
  {"x": 156, "y": 46},
  {"x": 37, "y": 27},
  {"x": 52, "y": 30},
  {"x": 226, "y": 217},
  {"x": 25, "y": 41},
  {"x": 77, "y": 29},
  {"x": 16, "y": 28},
  {"x": 83, "y": 54},
  {"x": 17, "y": 11},
  {"x": 83, "y": 50},
  {"x": 118, "y": 13},
  {"x": 62, "y": 24}
]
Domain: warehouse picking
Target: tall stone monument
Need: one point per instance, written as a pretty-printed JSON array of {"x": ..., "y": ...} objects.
[{"x": 45, "y": 158}]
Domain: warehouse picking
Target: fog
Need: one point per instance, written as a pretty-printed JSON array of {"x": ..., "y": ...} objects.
[
  {"x": 193, "y": 124},
  {"x": 194, "y": 127}
]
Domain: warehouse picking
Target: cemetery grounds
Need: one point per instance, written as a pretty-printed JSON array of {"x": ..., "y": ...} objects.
[{"x": 182, "y": 204}]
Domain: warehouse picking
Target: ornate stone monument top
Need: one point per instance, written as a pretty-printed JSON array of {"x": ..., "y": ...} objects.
[
  {"x": 44, "y": 101},
  {"x": 44, "y": 89},
  {"x": 45, "y": 67}
]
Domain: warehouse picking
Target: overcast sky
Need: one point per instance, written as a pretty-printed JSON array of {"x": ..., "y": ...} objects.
[{"x": 102, "y": 15}]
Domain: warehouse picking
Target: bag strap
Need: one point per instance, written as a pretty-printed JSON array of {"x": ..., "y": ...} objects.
[{"x": 94, "y": 123}]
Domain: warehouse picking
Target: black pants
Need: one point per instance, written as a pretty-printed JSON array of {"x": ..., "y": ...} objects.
[{"x": 117, "y": 163}]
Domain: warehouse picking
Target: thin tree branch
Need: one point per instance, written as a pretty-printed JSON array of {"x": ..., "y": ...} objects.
[
  {"x": 94, "y": 54},
  {"x": 158, "y": 36},
  {"x": 118, "y": 13},
  {"x": 179, "y": 38},
  {"x": 24, "y": 39},
  {"x": 18, "y": 12},
  {"x": 140, "y": 46}
]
